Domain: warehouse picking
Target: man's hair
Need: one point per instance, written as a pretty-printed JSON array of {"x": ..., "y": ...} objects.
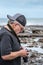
[{"x": 10, "y": 22}]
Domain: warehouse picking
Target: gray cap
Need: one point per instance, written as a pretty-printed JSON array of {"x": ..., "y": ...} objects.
[{"x": 19, "y": 17}]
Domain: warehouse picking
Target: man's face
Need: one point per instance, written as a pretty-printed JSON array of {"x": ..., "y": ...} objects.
[{"x": 17, "y": 27}]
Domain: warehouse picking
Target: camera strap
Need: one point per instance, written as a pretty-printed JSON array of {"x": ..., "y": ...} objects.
[{"x": 13, "y": 32}]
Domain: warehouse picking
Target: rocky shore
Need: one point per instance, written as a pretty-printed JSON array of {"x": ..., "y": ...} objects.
[
  {"x": 35, "y": 56},
  {"x": 32, "y": 40}
]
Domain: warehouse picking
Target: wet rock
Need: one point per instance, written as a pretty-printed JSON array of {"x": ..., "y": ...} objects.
[
  {"x": 42, "y": 47},
  {"x": 40, "y": 40},
  {"x": 38, "y": 63}
]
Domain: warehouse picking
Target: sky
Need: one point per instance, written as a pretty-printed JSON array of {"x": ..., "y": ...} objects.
[{"x": 29, "y": 8}]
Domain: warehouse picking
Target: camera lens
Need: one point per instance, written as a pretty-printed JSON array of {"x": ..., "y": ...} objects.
[{"x": 25, "y": 59}]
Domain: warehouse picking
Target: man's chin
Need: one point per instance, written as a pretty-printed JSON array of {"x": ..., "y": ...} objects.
[{"x": 17, "y": 32}]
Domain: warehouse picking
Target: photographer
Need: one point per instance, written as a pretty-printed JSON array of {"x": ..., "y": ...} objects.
[{"x": 11, "y": 51}]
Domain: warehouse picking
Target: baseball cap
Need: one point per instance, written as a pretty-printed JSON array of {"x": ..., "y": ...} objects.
[{"x": 18, "y": 17}]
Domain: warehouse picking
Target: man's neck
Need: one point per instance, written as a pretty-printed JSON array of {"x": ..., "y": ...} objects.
[{"x": 7, "y": 27}]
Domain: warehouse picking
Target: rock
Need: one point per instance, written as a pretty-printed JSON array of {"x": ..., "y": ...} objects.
[
  {"x": 42, "y": 47},
  {"x": 40, "y": 40}
]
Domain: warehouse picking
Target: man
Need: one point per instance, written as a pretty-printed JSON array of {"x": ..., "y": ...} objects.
[{"x": 11, "y": 52}]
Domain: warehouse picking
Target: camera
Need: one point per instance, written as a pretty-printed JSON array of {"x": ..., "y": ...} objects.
[{"x": 25, "y": 58}]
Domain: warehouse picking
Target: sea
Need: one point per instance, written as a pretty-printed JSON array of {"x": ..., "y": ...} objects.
[{"x": 30, "y": 21}]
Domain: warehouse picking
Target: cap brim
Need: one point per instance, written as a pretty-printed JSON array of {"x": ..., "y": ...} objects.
[
  {"x": 13, "y": 17},
  {"x": 10, "y": 17}
]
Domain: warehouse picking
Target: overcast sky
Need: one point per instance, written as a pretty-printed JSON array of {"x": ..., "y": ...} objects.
[{"x": 30, "y": 8}]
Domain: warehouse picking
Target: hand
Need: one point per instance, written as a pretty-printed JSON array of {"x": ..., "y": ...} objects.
[{"x": 23, "y": 52}]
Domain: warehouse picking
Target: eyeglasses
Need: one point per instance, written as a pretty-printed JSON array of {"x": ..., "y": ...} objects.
[{"x": 21, "y": 27}]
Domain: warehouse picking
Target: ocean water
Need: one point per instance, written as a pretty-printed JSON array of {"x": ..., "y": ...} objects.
[
  {"x": 31, "y": 21},
  {"x": 35, "y": 21},
  {"x": 3, "y": 21}
]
